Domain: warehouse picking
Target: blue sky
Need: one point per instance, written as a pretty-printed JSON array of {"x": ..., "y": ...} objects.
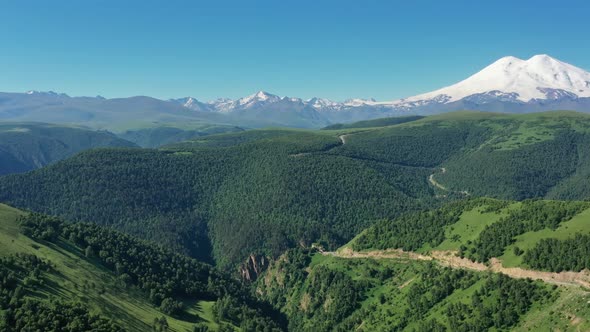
[{"x": 332, "y": 49}]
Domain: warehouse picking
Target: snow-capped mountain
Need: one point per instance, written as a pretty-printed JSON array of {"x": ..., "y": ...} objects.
[
  {"x": 513, "y": 79},
  {"x": 510, "y": 85}
]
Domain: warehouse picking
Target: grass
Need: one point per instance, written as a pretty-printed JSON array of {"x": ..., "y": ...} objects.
[
  {"x": 468, "y": 227},
  {"x": 524, "y": 129},
  {"x": 78, "y": 279},
  {"x": 570, "y": 311},
  {"x": 458, "y": 296},
  {"x": 580, "y": 224}
]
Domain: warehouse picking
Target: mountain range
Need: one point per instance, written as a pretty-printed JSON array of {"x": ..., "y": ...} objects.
[{"x": 510, "y": 85}]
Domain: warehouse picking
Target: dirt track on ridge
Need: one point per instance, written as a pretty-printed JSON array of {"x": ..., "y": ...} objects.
[{"x": 450, "y": 259}]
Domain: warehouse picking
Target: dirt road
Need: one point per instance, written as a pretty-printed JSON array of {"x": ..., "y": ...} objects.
[
  {"x": 433, "y": 181},
  {"x": 342, "y": 139},
  {"x": 450, "y": 259}
]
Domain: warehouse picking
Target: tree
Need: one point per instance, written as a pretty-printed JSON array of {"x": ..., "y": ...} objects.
[
  {"x": 89, "y": 252},
  {"x": 170, "y": 306}
]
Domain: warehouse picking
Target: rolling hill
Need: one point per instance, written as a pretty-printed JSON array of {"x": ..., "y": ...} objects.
[
  {"x": 225, "y": 197},
  {"x": 370, "y": 284},
  {"x": 88, "y": 278},
  {"x": 27, "y": 146}
]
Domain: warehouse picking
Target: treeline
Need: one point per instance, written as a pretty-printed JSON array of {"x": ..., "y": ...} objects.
[
  {"x": 22, "y": 275},
  {"x": 165, "y": 277},
  {"x": 533, "y": 215},
  {"x": 413, "y": 230},
  {"x": 572, "y": 254}
]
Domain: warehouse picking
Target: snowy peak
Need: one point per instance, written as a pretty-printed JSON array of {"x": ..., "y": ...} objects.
[
  {"x": 508, "y": 80},
  {"x": 192, "y": 104},
  {"x": 540, "y": 77},
  {"x": 260, "y": 96},
  {"x": 319, "y": 103},
  {"x": 189, "y": 102}
]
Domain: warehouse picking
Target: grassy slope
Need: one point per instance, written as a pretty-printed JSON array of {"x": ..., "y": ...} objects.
[
  {"x": 473, "y": 221},
  {"x": 569, "y": 311},
  {"x": 76, "y": 278},
  {"x": 514, "y": 131},
  {"x": 470, "y": 224},
  {"x": 580, "y": 224}
]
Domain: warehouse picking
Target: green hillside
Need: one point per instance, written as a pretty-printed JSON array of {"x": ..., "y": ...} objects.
[
  {"x": 438, "y": 282},
  {"x": 490, "y": 154},
  {"x": 325, "y": 293},
  {"x": 257, "y": 191},
  {"x": 523, "y": 234},
  {"x": 224, "y": 197},
  {"x": 27, "y": 146},
  {"x": 113, "y": 281}
]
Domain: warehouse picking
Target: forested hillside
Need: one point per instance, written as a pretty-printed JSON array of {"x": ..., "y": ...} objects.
[
  {"x": 260, "y": 191},
  {"x": 319, "y": 292},
  {"x": 27, "y": 146},
  {"x": 536, "y": 234},
  {"x": 58, "y": 276},
  {"x": 224, "y": 197},
  {"x": 436, "y": 283}
]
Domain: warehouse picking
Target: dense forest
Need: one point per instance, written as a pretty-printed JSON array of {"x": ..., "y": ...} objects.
[
  {"x": 166, "y": 278},
  {"x": 27, "y": 146},
  {"x": 223, "y": 197},
  {"x": 572, "y": 254},
  {"x": 237, "y": 193},
  {"x": 529, "y": 171},
  {"x": 272, "y": 195}
]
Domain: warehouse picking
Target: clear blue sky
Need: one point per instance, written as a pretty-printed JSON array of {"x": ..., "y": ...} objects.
[{"x": 332, "y": 49}]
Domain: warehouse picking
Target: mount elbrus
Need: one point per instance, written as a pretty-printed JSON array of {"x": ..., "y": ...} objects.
[{"x": 510, "y": 85}]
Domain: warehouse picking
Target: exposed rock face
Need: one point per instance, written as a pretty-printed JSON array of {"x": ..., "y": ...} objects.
[{"x": 253, "y": 267}]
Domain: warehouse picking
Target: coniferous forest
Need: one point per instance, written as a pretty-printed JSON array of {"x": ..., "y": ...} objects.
[{"x": 347, "y": 228}]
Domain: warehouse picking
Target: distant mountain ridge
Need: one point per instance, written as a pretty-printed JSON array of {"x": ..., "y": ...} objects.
[
  {"x": 27, "y": 146},
  {"x": 510, "y": 85}
]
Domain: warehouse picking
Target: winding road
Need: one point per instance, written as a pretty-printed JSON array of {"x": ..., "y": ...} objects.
[
  {"x": 434, "y": 182},
  {"x": 440, "y": 186},
  {"x": 342, "y": 139}
]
